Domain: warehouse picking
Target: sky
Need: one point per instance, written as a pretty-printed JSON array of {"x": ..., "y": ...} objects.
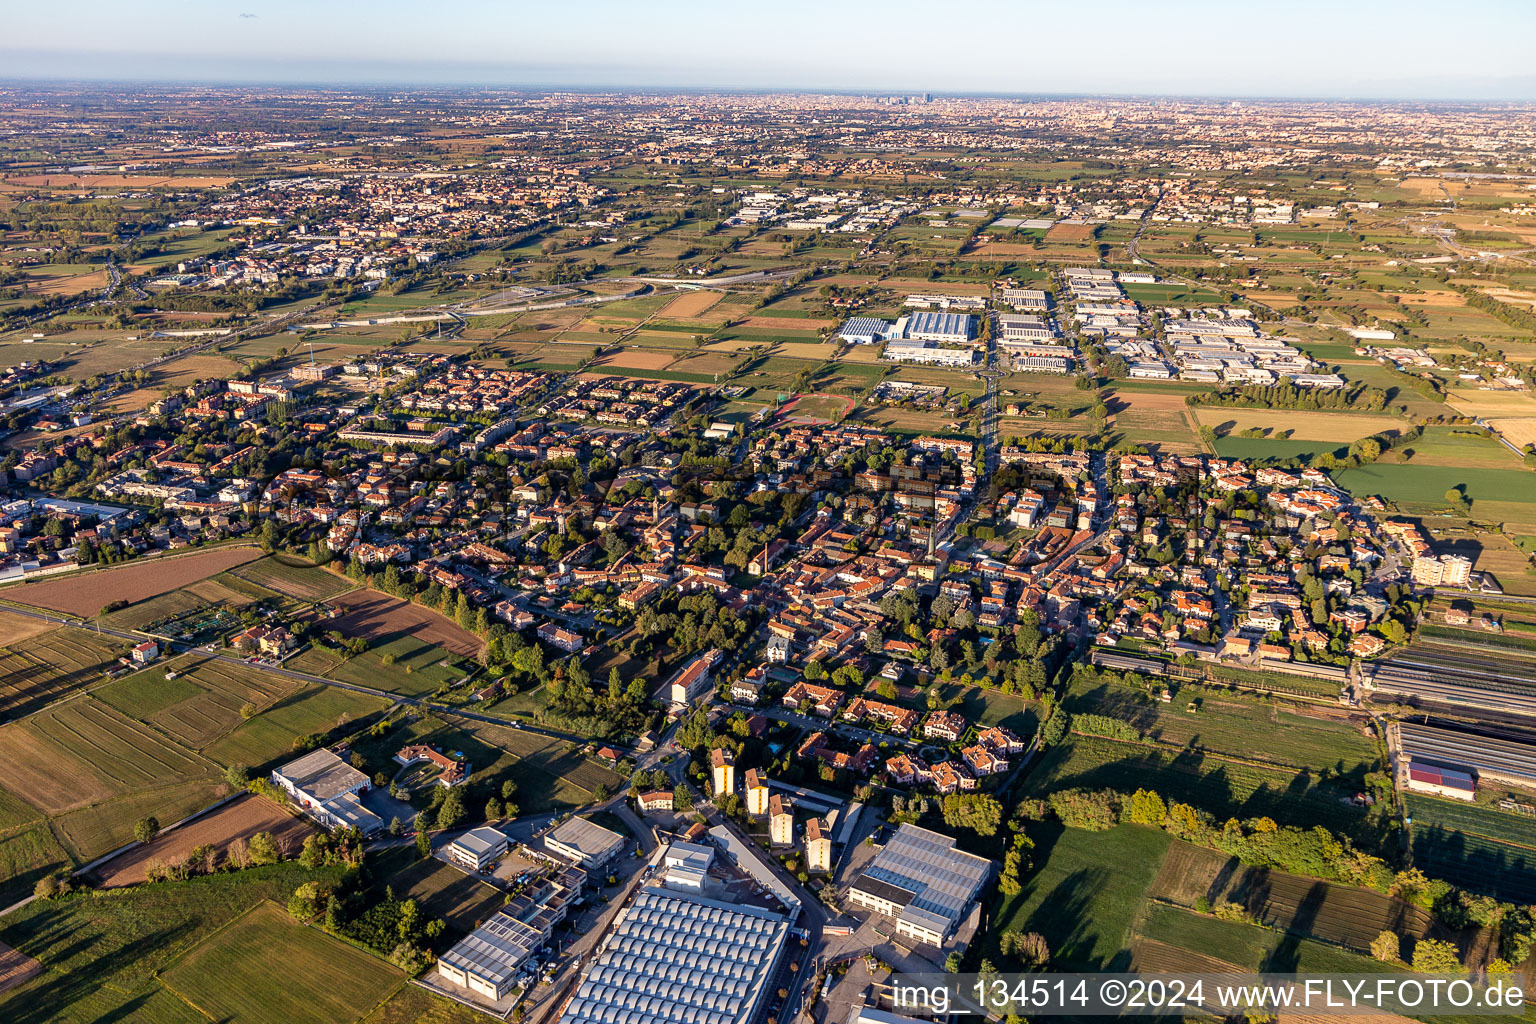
[{"x": 1361, "y": 49}]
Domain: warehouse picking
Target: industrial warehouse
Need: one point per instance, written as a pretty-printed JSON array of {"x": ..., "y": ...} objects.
[
  {"x": 677, "y": 957},
  {"x": 924, "y": 882},
  {"x": 1463, "y": 759}
]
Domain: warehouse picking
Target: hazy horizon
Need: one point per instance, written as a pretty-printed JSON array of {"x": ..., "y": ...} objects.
[{"x": 1367, "y": 50}]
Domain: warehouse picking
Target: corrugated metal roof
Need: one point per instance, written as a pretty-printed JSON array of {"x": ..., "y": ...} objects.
[{"x": 676, "y": 958}]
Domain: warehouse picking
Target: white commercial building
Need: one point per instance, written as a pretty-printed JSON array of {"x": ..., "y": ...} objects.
[
  {"x": 923, "y": 882},
  {"x": 956, "y": 328},
  {"x": 907, "y": 350},
  {"x": 476, "y": 848},
  {"x": 327, "y": 789},
  {"x": 866, "y": 330},
  {"x": 584, "y": 843}
]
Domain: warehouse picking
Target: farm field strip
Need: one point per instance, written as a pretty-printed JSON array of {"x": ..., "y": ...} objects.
[
  {"x": 85, "y": 593},
  {"x": 229, "y": 978},
  {"x": 302, "y": 581}
]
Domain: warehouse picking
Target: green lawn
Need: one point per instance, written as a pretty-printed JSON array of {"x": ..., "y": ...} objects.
[{"x": 27, "y": 854}]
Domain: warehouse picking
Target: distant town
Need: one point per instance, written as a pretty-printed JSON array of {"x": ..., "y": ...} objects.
[{"x": 594, "y": 557}]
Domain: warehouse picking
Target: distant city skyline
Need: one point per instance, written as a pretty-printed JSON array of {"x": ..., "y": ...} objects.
[{"x": 1309, "y": 49}]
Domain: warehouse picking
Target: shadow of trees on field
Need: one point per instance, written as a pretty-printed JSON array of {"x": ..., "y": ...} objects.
[{"x": 50, "y": 996}]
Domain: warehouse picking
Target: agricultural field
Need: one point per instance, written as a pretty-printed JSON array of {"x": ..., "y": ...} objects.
[
  {"x": 1105, "y": 899},
  {"x": 37, "y": 669},
  {"x": 102, "y": 955},
  {"x": 1296, "y": 425},
  {"x": 1223, "y": 785},
  {"x": 416, "y": 668},
  {"x": 28, "y": 853},
  {"x": 203, "y": 703},
  {"x": 84, "y": 753},
  {"x": 381, "y": 619},
  {"x": 1339, "y": 914},
  {"x": 310, "y": 710},
  {"x": 229, "y": 975},
  {"x": 85, "y": 593},
  {"x": 1251, "y": 947},
  {"x": 240, "y": 818},
  {"x": 1474, "y": 846},
  {"x": 1239, "y": 725},
  {"x": 294, "y": 577}
]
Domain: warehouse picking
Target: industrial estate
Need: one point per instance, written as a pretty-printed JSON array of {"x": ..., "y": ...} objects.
[{"x": 599, "y": 558}]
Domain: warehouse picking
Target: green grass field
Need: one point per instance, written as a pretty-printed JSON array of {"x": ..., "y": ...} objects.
[
  {"x": 270, "y": 735},
  {"x": 415, "y": 1005},
  {"x": 1085, "y": 894},
  {"x": 230, "y": 976},
  {"x": 1235, "y": 724},
  {"x": 442, "y": 890},
  {"x": 102, "y": 952},
  {"x": 1424, "y": 487},
  {"x": 1226, "y": 788},
  {"x": 27, "y": 854},
  {"x": 1475, "y": 846},
  {"x": 416, "y": 672}
]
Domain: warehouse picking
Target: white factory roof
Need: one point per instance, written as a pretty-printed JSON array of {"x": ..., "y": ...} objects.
[
  {"x": 587, "y": 838},
  {"x": 322, "y": 775},
  {"x": 481, "y": 841},
  {"x": 679, "y": 958}
]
